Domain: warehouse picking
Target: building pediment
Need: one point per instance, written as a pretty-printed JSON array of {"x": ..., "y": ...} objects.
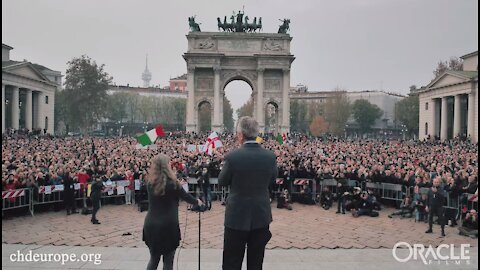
[
  {"x": 451, "y": 78},
  {"x": 27, "y": 70}
]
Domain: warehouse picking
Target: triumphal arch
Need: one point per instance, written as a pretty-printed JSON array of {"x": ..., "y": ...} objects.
[{"x": 240, "y": 52}]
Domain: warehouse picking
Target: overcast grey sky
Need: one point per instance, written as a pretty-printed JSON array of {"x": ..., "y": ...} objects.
[{"x": 353, "y": 44}]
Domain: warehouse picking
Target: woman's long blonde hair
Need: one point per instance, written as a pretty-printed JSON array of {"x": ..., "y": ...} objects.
[{"x": 160, "y": 173}]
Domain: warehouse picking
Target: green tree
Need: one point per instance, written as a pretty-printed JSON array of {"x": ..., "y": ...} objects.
[
  {"x": 116, "y": 109},
  {"x": 246, "y": 109},
  {"x": 365, "y": 114},
  {"x": 86, "y": 85},
  {"x": 407, "y": 112},
  {"x": 227, "y": 115},
  {"x": 179, "y": 109},
  {"x": 132, "y": 107},
  {"x": 337, "y": 111},
  {"x": 60, "y": 110},
  {"x": 145, "y": 108}
]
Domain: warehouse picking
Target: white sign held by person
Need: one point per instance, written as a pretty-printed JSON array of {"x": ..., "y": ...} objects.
[
  {"x": 120, "y": 190},
  {"x": 137, "y": 184}
]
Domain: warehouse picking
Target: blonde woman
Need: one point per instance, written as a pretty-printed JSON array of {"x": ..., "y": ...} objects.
[{"x": 161, "y": 230}]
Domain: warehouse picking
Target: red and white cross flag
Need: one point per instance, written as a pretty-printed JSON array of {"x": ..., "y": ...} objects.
[{"x": 213, "y": 141}]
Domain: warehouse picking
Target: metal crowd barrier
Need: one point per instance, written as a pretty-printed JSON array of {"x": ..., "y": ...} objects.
[
  {"x": 28, "y": 197},
  {"x": 332, "y": 185},
  {"x": 392, "y": 192},
  {"x": 18, "y": 198},
  {"x": 54, "y": 194},
  {"x": 216, "y": 189},
  {"x": 376, "y": 187},
  {"x": 118, "y": 189},
  {"x": 280, "y": 184},
  {"x": 298, "y": 184},
  {"x": 472, "y": 199},
  {"x": 48, "y": 194}
]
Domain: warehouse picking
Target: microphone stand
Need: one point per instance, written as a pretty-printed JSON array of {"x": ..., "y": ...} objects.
[{"x": 199, "y": 238}]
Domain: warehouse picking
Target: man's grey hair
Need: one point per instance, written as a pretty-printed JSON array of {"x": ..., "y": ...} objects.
[{"x": 248, "y": 127}]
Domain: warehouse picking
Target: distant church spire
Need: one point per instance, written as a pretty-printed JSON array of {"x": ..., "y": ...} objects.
[{"x": 146, "y": 75}]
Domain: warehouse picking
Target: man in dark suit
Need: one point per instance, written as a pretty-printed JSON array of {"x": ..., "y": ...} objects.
[
  {"x": 248, "y": 171},
  {"x": 435, "y": 205},
  {"x": 95, "y": 196}
]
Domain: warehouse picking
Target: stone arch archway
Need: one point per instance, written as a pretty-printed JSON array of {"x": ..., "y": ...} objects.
[
  {"x": 203, "y": 110},
  {"x": 272, "y": 112},
  {"x": 229, "y": 77},
  {"x": 238, "y": 56}
]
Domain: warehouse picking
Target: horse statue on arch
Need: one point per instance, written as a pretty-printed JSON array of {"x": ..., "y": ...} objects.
[
  {"x": 282, "y": 29},
  {"x": 227, "y": 27},
  {"x": 253, "y": 27},
  {"x": 194, "y": 27}
]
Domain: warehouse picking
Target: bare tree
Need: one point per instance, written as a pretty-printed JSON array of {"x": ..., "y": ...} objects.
[
  {"x": 454, "y": 63},
  {"x": 337, "y": 111}
]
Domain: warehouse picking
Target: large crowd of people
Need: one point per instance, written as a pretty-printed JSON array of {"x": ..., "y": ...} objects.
[{"x": 33, "y": 161}]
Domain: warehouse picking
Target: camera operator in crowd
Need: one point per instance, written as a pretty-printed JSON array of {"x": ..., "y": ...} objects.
[
  {"x": 305, "y": 196},
  {"x": 470, "y": 225},
  {"x": 284, "y": 200},
  {"x": 353, "y": 199},
  {"x": 326, "y": 198},
  {"x": 420, "y": 208},
  {"x": 406, "y": 208},
  {"x": 365, "y": 206}
]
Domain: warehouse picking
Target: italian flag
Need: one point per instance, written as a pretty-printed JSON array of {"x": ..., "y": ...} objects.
[
  {"x": 281, "y": 138},
  {"x": 150, "y": 136}
]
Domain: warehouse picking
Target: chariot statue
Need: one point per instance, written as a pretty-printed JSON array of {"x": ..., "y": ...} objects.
[
  {"x": 194, "y": 27},
  {"x": 239, "y": 23}
]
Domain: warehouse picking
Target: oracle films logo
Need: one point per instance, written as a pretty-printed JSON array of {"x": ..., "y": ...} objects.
[{"x": 443, "y": 254}]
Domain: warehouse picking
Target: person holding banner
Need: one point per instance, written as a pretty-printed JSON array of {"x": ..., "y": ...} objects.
[
  {"x": 161, "y": 230},
  {"x": 248, "y": 171}
]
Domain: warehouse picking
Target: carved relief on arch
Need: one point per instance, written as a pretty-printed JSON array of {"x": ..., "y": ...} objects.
[{"x": 204, "y": 83}]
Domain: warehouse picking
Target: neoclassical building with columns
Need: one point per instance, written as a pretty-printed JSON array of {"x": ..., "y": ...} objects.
[
  {"x": 449, "y": 104},
  {"x": 28, "y": 94}
]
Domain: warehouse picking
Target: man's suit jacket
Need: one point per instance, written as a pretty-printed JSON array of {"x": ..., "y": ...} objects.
[
  {"x": 248, "y": 171},
  {"x": 437, "y": 199}
]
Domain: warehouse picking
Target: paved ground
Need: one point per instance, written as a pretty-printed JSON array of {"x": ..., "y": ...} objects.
[
  {"x": 306, "y": 227},
  {"x": 307, "y": 259}
]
